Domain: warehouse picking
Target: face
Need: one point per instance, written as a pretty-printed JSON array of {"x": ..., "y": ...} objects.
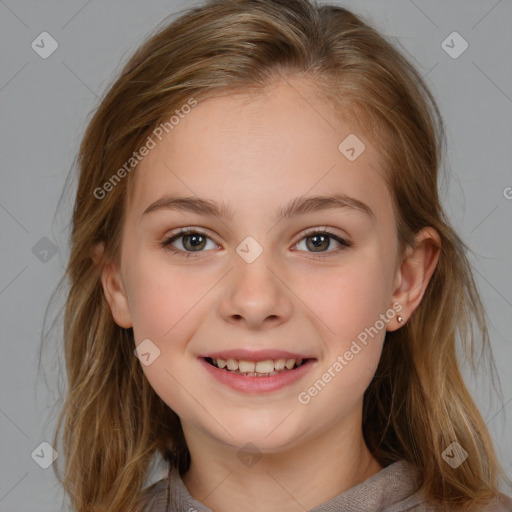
[{"x": 316, "y": 284}]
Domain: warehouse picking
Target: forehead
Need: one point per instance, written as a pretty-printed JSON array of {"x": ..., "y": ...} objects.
[{"x": 253, "y": 150}]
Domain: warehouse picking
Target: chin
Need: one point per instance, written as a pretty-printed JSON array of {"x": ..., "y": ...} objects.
[{"x": 249, "y": 435}]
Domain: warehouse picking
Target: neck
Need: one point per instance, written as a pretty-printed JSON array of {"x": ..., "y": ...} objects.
[{"x": 279, "y": 481}]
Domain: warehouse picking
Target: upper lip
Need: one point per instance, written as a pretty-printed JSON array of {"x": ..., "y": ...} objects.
[{"x": 255, "y": 355}]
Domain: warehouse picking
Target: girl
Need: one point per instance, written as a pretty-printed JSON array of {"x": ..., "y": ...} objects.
[{"x": 264, "y": 288}]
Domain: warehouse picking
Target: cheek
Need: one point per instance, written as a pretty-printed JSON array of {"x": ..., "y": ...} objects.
[
  {"x": 351, "y": 305},
  {"x": 167, "y": 308},
  {"x": 349, "y": 299},
  {"x": 163, "y": 297}
]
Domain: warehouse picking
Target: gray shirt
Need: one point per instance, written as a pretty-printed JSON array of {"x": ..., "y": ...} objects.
[{"x": 390, "y": 490}]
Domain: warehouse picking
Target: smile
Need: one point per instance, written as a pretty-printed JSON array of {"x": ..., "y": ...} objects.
[
  {"x": 257, "y": 376},
  {"x": 265, "y": 368}
]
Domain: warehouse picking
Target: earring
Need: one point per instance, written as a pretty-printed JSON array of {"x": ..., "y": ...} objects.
[{"x": 400, "y": 319}]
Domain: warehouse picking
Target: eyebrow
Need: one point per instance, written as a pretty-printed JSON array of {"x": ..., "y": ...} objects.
[{"x": 298, "y": 206}]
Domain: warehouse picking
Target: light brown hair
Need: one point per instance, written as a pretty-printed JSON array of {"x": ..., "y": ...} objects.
[{"x": 417, "y": 403}]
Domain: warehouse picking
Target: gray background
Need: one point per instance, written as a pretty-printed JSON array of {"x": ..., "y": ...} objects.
[{"x": 46, "y": 103}]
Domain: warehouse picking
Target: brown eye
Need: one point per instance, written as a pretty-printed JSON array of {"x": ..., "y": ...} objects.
[
  {"x": 193, "y": 241},
  {"x": 320, "y": 241}
]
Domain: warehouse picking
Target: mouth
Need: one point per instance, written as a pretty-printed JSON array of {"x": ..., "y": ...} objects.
[
  {"x": 257, "y": 372},
  {"x": 260, "y": 368}
]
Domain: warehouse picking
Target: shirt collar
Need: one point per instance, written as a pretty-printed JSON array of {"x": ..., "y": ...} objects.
[{"x": 381, "y": 492}]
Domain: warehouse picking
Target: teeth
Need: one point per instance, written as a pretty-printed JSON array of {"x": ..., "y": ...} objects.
[
  {"x": 280, "y": 364},
  {"x": 266, "y": 367},
  {"x": 246, "y": 366},
  {"x": 232, "y": 364}
]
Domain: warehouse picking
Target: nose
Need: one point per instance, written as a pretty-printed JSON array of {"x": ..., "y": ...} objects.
[{"x": 256, "y": 294}]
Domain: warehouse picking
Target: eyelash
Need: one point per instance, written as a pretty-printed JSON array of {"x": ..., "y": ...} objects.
[{"x": 166, "y": 244}]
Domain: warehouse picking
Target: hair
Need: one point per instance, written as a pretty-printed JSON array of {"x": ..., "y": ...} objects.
[{"x": 417, "y": 403}]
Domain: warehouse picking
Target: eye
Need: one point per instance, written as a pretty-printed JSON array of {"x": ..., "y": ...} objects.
[
  {"x": 194, "y": 240},
  {"x": 321, "y": 241}
]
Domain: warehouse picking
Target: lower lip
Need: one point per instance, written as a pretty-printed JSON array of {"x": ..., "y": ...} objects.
[{"x": 258, "y": 384}]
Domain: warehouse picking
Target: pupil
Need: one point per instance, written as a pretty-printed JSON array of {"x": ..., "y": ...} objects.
[
  {"x": 318, "y": 243},
  {"x": 196, "y": 242}
]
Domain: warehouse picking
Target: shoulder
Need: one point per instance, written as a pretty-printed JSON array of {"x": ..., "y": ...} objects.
[
  {"x": 417, "y": 503},
  {"x": 407, "y": 497},
  {"x": 154, "y": 497},
  {"x": 500, "y": 503}
]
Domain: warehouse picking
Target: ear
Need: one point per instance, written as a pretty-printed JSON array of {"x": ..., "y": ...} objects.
[
  {"x": 116, "y": 295},
  {"x": 414, "y": 274}
]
